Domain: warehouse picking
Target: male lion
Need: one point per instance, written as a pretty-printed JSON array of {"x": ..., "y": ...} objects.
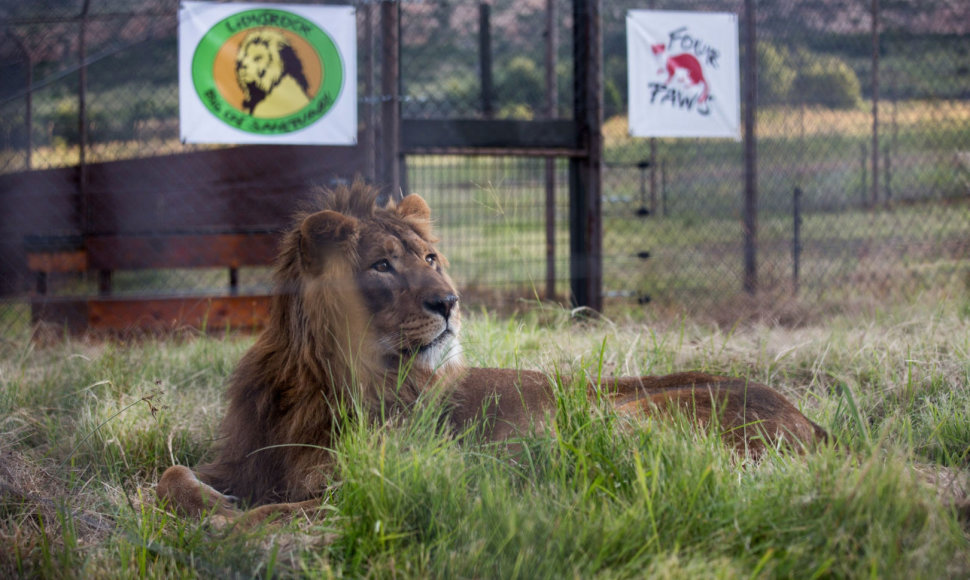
[
  {"x": 270, "y": 75},
  {"x": 365, "y": 313}
]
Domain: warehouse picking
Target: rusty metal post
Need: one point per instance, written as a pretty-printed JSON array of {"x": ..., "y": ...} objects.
[
  {"x": 653, "y": 155},
  {"x": 370, "y": 101},
  {"x": 874, "y": 196},
  {"x": 485, "y": 59},
  {"x": 796, "y": 246},
  {"x": 82, "y": 115},
  {"x": 585, "y": 172},
  {"x": 29, "y": 117},
  {"x": 750, "y": 225},
  {"x": 391, "y": 96},
  {"x": 28, "y": 99},
  {"x": 552, "y": 105}
]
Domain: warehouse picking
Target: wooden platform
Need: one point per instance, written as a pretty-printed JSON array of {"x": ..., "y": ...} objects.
[
  {"x": 162, "y": 314},
  {"x": 108, "y": 312}
]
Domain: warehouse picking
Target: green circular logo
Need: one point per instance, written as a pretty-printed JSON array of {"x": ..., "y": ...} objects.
[{"x": 267, "y": 71}]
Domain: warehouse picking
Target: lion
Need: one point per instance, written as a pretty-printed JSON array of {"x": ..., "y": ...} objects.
[
  {"x": 270, "y": 74},
  {"x": 365, "y": 316}
]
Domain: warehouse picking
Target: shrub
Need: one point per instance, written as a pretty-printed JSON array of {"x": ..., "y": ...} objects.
[
  {"x": 520, "y": 82},
  {"x": 461, "y": 91},
  {"x": 828, "y": 81},
  {"x": 775, "y": 74}
]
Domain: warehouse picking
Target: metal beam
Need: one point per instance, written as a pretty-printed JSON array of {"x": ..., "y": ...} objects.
[{"x": 418, "y": 134}]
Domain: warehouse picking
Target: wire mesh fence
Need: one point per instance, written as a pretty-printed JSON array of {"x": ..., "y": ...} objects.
[
  {"x": 863, "y": 152},
  {"x": 837, "y": 219}
]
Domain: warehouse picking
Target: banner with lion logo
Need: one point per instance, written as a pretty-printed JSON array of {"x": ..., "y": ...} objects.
[
  {"x": 267, "y": 73},
  {"x": 683, "y": 74}
]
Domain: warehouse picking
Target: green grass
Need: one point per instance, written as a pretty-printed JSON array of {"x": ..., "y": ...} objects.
[{"x": 87, "y": 427}]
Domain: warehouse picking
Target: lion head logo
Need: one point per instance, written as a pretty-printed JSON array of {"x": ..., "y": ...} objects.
[{"x": 270, "y": 74}]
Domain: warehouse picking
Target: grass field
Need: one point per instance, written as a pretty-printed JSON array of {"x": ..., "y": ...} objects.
[{"x": 86, "y": 427}]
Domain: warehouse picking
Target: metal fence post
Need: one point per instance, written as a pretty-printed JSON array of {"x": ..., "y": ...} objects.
[
  {"x": 875, "y": 103},
  {"x": 390, "y": 91},
  {"x": 750, "y": 152},
  {"x": 585, "y": 172},
  {"x": 82, "y": 122},
  {"x": 370, "y": 103},
  {"x": 796, "y": 246},
  {"x": 552, "y": 105},
  {"x": 485, "y": 58},
  {"x": 28, "y": 98}
]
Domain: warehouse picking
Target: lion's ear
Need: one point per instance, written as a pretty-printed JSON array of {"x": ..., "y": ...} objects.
[
  {"x": 414, "y": 206},
  {"x": 416, "y": 212},
  {"x": 321, "y": 232}
]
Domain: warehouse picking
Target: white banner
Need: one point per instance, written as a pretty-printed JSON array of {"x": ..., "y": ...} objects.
[
  {"x": 683, "y": 74},
  {"x": 267, "y": 73}
]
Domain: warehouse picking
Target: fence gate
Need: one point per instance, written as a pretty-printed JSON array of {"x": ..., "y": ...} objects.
[{"x": 479, "y": 130}]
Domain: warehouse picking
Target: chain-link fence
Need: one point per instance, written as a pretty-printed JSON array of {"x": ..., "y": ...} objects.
[
  {"x": 836, "y": 220},
  {"x": 846, "y": 206}
]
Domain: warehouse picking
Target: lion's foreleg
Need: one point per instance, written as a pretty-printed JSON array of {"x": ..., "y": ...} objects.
[{"x": 190, "y": 497}]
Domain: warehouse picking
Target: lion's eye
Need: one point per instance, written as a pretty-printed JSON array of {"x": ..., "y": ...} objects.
[
  {"x": 431, "y": 259},
  {"x": 381, "y": 266}
]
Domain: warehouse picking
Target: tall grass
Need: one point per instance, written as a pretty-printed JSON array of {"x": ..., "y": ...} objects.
[{"x": 86, "y": 428}]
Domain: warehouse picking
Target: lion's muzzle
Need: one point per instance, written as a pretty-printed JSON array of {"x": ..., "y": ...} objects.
[{"x": 442, "y": 305}]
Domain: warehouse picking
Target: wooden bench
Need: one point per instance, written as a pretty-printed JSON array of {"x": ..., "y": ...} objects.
[
  {"x": 48, "y": 255},
  {"x": 107, "y": 254}
]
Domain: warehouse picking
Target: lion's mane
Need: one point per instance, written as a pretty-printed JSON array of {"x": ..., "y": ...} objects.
[{"x": 317, "y": 357}]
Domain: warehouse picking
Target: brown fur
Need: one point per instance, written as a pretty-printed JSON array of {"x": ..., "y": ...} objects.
[{"x": 365, "y": 317}]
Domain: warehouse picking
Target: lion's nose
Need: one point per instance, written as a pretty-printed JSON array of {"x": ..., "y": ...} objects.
[{"x": 442, "y": 305}]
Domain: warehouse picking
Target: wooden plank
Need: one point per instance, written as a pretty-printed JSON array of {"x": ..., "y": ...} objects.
[
  {"x": 155, "y": 314},
  {"x": 181, "y": 251},
  {"x": 75, "y": 261},
  {"x": 420, "y": 134},
  {"x": 217, "y": 312}
]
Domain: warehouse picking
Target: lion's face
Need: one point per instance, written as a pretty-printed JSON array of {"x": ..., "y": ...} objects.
[
  {"x": 386, "y": 267},
  {"x": 413, "y": 304},
  {"x": 258, "y": 64}
]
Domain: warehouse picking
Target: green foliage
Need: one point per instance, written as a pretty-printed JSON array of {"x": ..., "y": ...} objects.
[
  {"x": 776, "y": 75},
  {"x": 613, "y": 99},
  {"x": 827, "y": 81},
  {"x": 461, "y": 90},
  {"x": 615, "y": 83},
  {"x": 516, "y": 111},
  {"x": 805, "y": 77},
  {"x": 520, "y": 82},
  {"x": 63, "y": 123}
]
